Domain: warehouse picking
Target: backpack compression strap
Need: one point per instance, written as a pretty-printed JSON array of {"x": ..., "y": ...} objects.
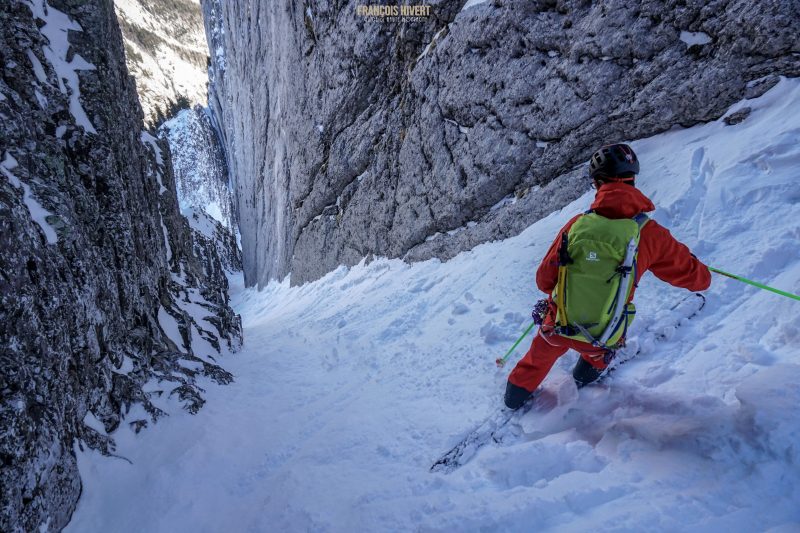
[
  {"x": 626, "y": 269},
  {"x": 641, "y": 219},
  {"x": 561, "y": 292}
]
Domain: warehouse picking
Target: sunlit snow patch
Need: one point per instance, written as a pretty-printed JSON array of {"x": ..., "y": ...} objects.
[
  {"x": 56, "y": 29},
  {"x": 38, "y": 213},
  {"x": 695, "y": 37}
]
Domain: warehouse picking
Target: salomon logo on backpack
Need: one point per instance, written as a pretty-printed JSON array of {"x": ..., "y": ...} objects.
[{"x": 597, "y": 269}]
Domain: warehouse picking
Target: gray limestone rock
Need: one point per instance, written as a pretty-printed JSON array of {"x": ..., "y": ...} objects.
[
  {"x": 737, "y": 117},
  {"x": 348, "y": 135},
  {"x": 101, "y": 278},
  {"x": 213, "y": 239}
]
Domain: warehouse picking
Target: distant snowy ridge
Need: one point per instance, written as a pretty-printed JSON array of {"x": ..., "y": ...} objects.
[
  {"x": 201, "y": 174},
  {"x": 202, "y": 184},
  {"x": 165, "y": 50},
  {"x": 349, "y": 387}
]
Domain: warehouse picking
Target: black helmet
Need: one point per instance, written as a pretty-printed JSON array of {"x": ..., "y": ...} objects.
[{"x": 614, "y": 161}]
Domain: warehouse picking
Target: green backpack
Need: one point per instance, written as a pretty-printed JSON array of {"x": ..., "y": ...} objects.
[{"x": 596, "y": 273}]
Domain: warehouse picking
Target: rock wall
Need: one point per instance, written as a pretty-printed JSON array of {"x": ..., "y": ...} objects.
[
  {"x": 103, "y": 285},
  {"x": 211, "y": 233},
  {"x": 349, "y": 135}
]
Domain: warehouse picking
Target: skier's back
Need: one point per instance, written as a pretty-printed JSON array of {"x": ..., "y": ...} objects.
[{"x": 613, "y": 171}]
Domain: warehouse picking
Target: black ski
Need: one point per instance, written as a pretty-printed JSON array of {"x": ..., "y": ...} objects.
[
  {"x": 489, "y": 430},
  {"x": 478, "y": 437}
]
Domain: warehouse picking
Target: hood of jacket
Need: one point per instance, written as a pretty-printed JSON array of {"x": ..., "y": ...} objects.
[{"x": 620, "y": 200}]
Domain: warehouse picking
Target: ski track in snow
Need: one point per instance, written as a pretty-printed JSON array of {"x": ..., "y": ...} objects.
[{"x": 349, "y": 387}]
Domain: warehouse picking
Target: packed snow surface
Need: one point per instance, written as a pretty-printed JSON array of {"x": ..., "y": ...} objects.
[{"x": 350, "y": 387}]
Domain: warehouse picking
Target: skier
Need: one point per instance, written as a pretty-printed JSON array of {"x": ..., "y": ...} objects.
[{"x": 585, "y": 287}]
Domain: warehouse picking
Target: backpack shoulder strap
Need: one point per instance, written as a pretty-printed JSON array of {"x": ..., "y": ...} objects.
[{"x": 641, "y": 219}]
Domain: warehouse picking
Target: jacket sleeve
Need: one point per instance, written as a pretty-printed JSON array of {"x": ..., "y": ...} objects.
[
  {"x": 547, "y": 273},
  {"x": 672, "y": 262}
]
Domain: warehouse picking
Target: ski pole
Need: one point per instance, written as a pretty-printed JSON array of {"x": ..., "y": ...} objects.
[
  {"x": 755, "y": 283},
  {"x": 502, "y": 360}
]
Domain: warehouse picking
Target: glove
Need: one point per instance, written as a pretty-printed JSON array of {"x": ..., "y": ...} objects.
[
  {"x": 540, "y": 311},
  {"x": 607, "y": 356}
]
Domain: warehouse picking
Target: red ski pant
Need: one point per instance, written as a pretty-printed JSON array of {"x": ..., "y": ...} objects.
[{"x": 545, "y": 350}]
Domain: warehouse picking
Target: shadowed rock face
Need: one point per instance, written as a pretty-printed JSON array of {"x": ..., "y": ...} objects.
[
  {"x": 100, "y": 275},
  {"x": 349, "y": 136}
]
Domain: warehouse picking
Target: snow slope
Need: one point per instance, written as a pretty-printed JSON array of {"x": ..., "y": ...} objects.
[{"x": 348, "y": 388}]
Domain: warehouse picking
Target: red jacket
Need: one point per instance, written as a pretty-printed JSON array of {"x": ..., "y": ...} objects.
[{"x": 659, "y": 252}]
